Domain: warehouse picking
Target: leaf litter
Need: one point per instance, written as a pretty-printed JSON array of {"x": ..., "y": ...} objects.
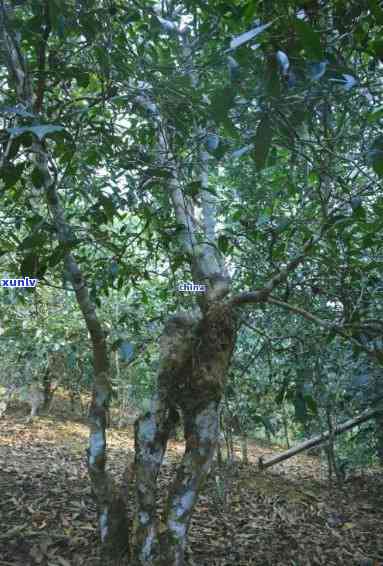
[{"x": 285, "y": 516}]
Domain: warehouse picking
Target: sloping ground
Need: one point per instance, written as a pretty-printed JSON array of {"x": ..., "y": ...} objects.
[{"x": 284, "y": 516}]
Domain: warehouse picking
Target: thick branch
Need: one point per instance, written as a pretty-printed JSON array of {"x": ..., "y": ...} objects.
[
  {"x": 262, "y": 294},
  {"x": 208, "y": 201},
  {"x": 184, "y": 215},
  {"x": 41, "y": 59},
  {"x": 205, "y": 261},
  {"x": 302, "y": 312},
  {"x": 15, "y": 60}
]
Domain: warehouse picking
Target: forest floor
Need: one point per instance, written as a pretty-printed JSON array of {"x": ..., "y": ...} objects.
[{"x": 287, "y": 515}]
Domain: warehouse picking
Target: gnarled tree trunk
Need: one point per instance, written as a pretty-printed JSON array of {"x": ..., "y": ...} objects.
[{"x": 195, "y": 357}]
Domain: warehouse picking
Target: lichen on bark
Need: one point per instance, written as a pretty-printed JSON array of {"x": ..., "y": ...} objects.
[{"x": 195, "y": 353}]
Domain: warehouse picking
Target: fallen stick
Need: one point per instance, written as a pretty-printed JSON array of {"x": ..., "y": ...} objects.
[{"x": 318, "y": 439}]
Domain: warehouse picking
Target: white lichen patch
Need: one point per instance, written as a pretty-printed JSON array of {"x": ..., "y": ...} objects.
[
  {"x": 207, "y": 423},
  {"x": 178, "y": 529},
  {"x": 146, "y": 551},
  {"x": 185, "y": 503},
  {"x": 154, "y": 459},
  {"x": 143, "y": 517},
  {"x": 147, "y": 430},
  {"x": 97, "y": 445},
  {"x": 104, "y": 524},
  {"x": 206, "y": 467}
]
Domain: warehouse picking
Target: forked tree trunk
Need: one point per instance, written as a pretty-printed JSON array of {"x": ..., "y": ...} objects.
[{"x": 191, "y": 378}]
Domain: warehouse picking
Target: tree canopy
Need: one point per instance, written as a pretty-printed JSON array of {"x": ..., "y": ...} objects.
[{"x": 235, "y": 145}]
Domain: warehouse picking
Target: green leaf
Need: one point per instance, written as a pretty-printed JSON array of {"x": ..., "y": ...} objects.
[
  {"x": 144, "y": 297},
  {"x": 249, "y": 12},
  {"x": 375, "y": 7},
  {"x": 375, "y": 116},
  {"x": 222, "y": 101},
  {"x": 237, "y": 215},
  {"x": 231, "y": 131},
  {"x": 309, "y": 39},
  {"x": 248, "y": 35},
  {"x": 37, "y": 178},
  {"x": 375, "y": 155},
  {"x": 29, "y": 265},
  {"x": 40, "y": 131},
  {"x": 193, "y": 188},
  {"x": 82, "y": 79},
  {"x": 311, "y": 404},
  {"x": 108, "y": 206},
  {"x": 57, "y": 256},
  {"x": 103, "y": 59},
  {"x": 377, "y": 48},
  {"x": 211, "y": 190},
  {"x": 178, "y": 261},
  {"x": 262, "y": 142},
  {"x": 279, "y": 251},
  {"x": 223, "y": 243},
  {"x": 11, "y": 174},
  {"x": 298, "y": 117},
  {"x": 33, "y": 241},
  {"x": 359, "y": 213},
  {"x": 160, "y": 172}
]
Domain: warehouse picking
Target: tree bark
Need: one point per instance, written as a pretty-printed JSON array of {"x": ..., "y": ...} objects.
[
  {"x": 195, "y": 357},
  {"x": 151, "y": 436},
  {"x": 244, "y": 449},
  {"x": 113, "y": 523},
  {"x": 379, "y": 436},
  {"x": 201, "y": 432}
]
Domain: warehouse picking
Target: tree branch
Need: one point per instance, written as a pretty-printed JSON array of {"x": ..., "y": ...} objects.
[
  {"x": 15, "y": 60},
  {"x": 261, "y": 295},
  {"x": 376, "y": 355},
  {"x": 41, "y": 60}
]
